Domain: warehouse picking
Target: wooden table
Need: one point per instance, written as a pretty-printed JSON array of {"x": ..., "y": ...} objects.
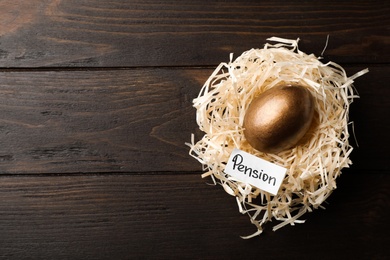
[{"x": 96, "y": 107}]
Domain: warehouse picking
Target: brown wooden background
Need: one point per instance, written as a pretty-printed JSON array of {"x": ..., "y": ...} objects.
[{"x": 95, "y": 101}]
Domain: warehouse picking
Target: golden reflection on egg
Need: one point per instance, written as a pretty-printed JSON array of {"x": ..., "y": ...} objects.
[{"x": 279, "y": 118}]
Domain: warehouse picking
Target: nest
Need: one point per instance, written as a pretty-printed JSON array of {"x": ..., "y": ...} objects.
[{"x": 312, "y": 167}]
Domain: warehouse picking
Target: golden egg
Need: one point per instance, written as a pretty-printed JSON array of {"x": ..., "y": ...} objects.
[{"x": 279, "y": 118}]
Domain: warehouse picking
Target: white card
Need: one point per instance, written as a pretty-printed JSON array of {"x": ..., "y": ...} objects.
[{"x": 251, "y": 169}]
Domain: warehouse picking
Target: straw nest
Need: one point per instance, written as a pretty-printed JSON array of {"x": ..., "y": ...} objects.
[{"x": 312, "y": 167}]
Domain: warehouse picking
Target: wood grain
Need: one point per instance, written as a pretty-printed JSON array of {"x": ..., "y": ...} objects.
[
  {"x": 95, "y": 110},
  {"x": 161, "y": 216},
  {"x": 119, "y": 33},
  {"x": 80, "y": 121},
  {"x": 16, "y": 14},
  {"x": 136, "y": 120}
]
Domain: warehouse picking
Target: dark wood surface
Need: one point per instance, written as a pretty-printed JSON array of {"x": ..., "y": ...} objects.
[{"x": 95, "y": 100}]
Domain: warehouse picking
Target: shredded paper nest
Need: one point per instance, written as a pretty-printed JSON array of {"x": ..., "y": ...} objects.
[{"x": 313, "y": 167}]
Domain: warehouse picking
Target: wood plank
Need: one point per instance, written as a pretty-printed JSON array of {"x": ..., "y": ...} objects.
[
  {"x": 119, "y": 33},
  {"x": 370, "y": 118},
  {"x": 160, "y": 216},
  {"x": 95, "y": 108},
  {"x": 83, "y": 121},
  {"x": 137, "y": 120}
]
